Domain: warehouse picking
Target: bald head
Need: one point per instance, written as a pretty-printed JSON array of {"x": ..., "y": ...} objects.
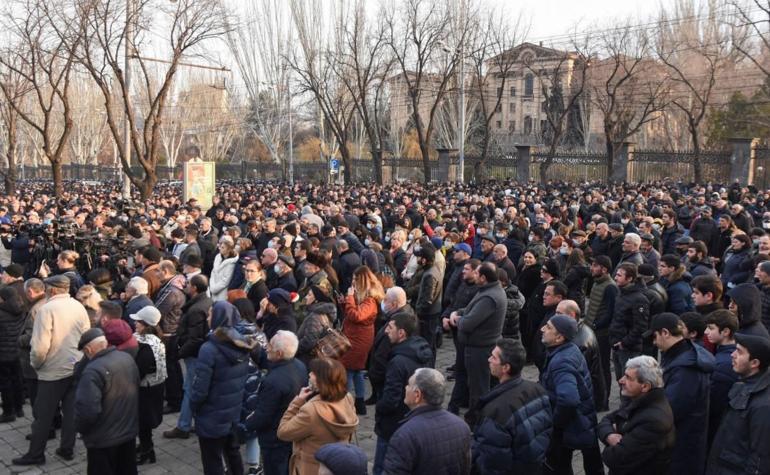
[
  {"x": 569, "y": 307},
  {"x": 269, "y": 256}
]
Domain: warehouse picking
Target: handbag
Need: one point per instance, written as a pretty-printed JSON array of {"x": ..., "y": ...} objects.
[{"x": 332, "y": 344}]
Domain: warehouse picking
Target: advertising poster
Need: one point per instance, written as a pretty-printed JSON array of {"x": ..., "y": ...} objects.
[{"x": 199, "y": 179}]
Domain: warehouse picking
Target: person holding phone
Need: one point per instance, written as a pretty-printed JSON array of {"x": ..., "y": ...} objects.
[{"x": 322, "y": 413}]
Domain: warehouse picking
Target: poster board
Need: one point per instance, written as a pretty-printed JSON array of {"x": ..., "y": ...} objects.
[{"x": 199, "y": 182}]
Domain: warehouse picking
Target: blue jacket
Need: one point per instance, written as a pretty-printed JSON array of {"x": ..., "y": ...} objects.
[
  {"x": 514, "y": 429},
  {"x": 731, "y": 269},
  {"x": 722, "y": 380},
  {"x": 271, "y": 399},
  {"x": 687, "y": 372},
  {"x": 430, "y": 440},
  {"x": 405, "y": 357},
  {"x": 217, "y": 387},
  {"x": 568, "y": 381},
  {"x": 679, "y": 295}
]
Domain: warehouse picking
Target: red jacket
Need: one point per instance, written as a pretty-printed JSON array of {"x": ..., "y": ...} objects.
[{"x": 358, "y": 326}]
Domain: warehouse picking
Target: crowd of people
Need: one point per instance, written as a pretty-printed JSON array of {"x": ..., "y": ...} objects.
[{"x": 258, "y": 319}]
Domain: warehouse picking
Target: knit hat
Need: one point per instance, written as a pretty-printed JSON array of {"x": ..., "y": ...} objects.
[
  {"x": 552, "y": 267},
  {"x": 119, "y": 334},
  {"x": 464, "y": 248},
  {"x": 342, "y": 459},
  {"x": 279, "y": 297},
  {"x": 565, "y": 325}
]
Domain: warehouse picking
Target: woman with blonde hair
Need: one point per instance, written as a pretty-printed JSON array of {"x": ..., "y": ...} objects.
[
  {"x": 360, "y": 308},
  {"x": 321, "y": 414},
  {"x": 90, "y": 298},
  {"x": 224, "y": 266}
]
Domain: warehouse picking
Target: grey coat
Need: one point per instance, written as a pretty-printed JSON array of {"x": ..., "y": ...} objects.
[{"x": 481, "y": 321}]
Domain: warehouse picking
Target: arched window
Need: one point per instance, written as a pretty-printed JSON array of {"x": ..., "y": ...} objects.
[{"x": 529, "y": 85}]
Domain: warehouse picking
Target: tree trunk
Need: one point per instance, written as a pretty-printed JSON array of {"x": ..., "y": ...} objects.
[
  {"x": 56, "y": 171},
  {"x": 425, "y": 161},
  {"x": 345, "y": 154},
  {"x": 696, "y": 164},
  {"x": 610, "y": 156},
  {"x": 9, "y": 179},
  {"x": 148, "y": 184},
  {"x": 478, "y": 169},
  {"x": 377, "y": 164}
]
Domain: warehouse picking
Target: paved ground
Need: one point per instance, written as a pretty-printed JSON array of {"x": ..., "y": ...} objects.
[{"x": 182, "y": 456}]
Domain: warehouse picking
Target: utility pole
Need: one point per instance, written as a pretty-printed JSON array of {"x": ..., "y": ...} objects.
[
  {"x": 461, "y": 99},
  {"x": 291, "y": 132}
]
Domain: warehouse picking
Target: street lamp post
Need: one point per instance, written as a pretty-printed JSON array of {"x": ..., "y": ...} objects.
[{"x": 126, "y": 192}]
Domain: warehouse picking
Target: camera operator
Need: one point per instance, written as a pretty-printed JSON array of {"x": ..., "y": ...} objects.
[{"x": 19, "y": 246}]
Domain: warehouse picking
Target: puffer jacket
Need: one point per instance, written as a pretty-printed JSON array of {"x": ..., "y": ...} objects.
[
  {"x": 107, "y": 400},
  {"x": 568, "y": 382},
  {"x": 749, "y": 301},
  {"x": 514, "y": 429},
  {"x": 221, "y": 274},
  {"x": 217, "y": 387},
  {"x": 687, "y": 372},
  {"x": 405, "y": 358},
  {"x": 515, "y": 302},
  {"x": 12, "y": 321},
  {"x": 169, "y": 302},
  {"x": 647, "y": 426},
  {"x": 312, "y": 328},
  {"x": 630, "y": 318}
]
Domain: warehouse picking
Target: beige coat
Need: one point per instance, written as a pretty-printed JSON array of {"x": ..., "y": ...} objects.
[
  {"x": 313, "y": 424},
  {"x": 55, "y": 336}
]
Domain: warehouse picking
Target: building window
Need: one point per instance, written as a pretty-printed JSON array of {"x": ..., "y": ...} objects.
[
  {"x": 527, "y": 125},
  {"x": 512, "y": 126},
  {"x": 543, "y": 106},
  {"x": 529, "y": 85},
  {"x": 513, "y": 92},
  {"x": 543, "y": 125},
  {"x": 512, "y": 107},
  {"x": 499, "y": 124}
]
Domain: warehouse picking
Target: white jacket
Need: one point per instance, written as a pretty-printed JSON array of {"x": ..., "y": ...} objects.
[
  {"x": 55, "y": 335},
  {"x": 221, "y": 274}
]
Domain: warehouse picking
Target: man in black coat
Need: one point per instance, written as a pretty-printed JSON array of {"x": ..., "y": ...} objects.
[
  {"x": 191, "y": 334},
  {"x": 630, "y": 318},
  {"x": 639, "y": 437},
  {"x": 286, "y": 377},
  {"x": 393, "y": 303},
  {"x": 107, "y": 415},
  {"x": 409, "y": 352},
  {"x": 742, "y": 443},
  {"x": 347, "y": 262}
]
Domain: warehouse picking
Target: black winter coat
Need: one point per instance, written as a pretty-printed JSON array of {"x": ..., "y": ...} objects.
[
  {"x": 589, "y": 346},
  {"x": 405, "y": 357},
  {"x": 107, "y": 400},
  {"x": 344, "y": 266},
  {"x": 742, "y": 443},
  {"x": 380, "y": 353},
  {"x": 647, "y": 426},
  {"x": 630, "y": 317},
  {"x": 12, "y": 321},
  {"x": 193, "y": 329},
  {"x": 749, "y": 301},
  {"x": 514, "y": 429},
  {"x": 276, "y": 391}
]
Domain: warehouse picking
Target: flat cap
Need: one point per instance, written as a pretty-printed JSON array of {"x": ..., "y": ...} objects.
[
  {"x": 88, "y": 336},
  {"x": 58, "y": 281}
]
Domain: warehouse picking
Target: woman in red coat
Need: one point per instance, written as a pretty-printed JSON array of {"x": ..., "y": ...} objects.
[{"x": 360, "y": 311}]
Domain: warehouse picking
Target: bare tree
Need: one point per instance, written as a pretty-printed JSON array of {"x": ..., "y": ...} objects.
[
  {"x": 419, "y": 33},
  {"x": 41, "y": 59},
  {"x": 89, "y": 125},
  {"x": 174, "y": 127},
  {"x": 13, "y": 95},
  {"x": 628, "y": 87},
  {"x": 316, "y": 67},
  {"x": 213, "y": 117},
  {"x": 562, "y": 83},
  {"x": 101, "y": 29},
  {"x": 694, "y": 44},
  {"x": 493, "y": 59},
  {"x": 259, "y": 44},
  {"x": 363, "y": 68}
]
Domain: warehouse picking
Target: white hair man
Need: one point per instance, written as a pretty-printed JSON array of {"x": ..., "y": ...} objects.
[
  {"x": 135, "y": 297},
  {"x": 286, "y": 377},
  {"x": 640, "y": 435}
]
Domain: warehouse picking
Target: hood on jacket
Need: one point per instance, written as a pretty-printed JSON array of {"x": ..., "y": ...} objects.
[
  {"x": 414, "y": 348},
  {"x": 339, "y": 417},
  {"x": 234, "y": 345},
  {"x": 697, "y": 357},
  {"x": 748, "y": 298},
  {"x": 224, "y": 314}
]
